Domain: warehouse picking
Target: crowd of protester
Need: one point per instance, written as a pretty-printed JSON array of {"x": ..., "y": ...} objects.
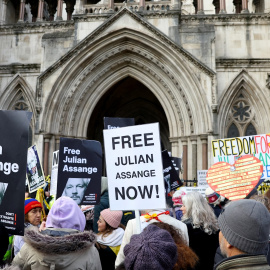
[{"x": 198, "y": 233}]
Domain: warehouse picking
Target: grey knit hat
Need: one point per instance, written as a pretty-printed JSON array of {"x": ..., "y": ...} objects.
[
  {"x": 245, "y": 225},
  {"x": 153, "y": 249}
]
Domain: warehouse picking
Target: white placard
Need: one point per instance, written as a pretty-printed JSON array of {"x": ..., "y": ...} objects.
[
  {"x": 201, "y": 177},
  {"x": 197, "y": 189},
  {"x": 54, "y": 173},
  {"x": 134, "y": 167}
]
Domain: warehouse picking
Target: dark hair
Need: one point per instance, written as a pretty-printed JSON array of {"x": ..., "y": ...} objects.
[{"x": 186, "y": 258}]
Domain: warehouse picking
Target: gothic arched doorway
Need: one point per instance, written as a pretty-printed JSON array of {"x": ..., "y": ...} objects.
[{"x": 132, "y": 99}]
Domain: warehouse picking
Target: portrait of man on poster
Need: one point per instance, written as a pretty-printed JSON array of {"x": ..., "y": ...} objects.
[
  {"x": 75, "y": 188},
  {"x": 3, "y": 188}
]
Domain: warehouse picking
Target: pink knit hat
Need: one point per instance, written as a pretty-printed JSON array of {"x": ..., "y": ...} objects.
[{"x": 113, "y": 218}]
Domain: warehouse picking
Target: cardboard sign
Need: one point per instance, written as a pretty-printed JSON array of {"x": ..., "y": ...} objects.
[
  {"x": 79, "y": 171},
  {"x": 237, "y": 181},
  {"x": 171, "y": 177},
  {"x": 229, "y": 150},
  {"x": 201, "y": 177},
  {"x": 115, "y": 122},
  {"x": 35, "y": 173},
  {"x": 13, "y": 159},
  {"x": 54, "y": 173},
  {"x": 134, "y": 167}
]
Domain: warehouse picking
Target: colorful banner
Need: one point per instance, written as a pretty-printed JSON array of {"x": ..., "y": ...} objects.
[
  {"x": 79, "y": 170},
  {"x": 235, "y": 181},
  {"x": 229, "y": 150},
  {"x": 13, "y": 160},
  {"x": 134, "y": 167}
]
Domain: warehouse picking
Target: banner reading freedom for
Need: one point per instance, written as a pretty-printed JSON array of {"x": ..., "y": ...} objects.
[
  {"x": 134, "y": 167},
  {"x": 229, "y": 150}
]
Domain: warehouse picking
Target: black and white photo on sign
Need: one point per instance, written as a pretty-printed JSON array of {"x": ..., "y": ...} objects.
[
  {"x": 3, "y": 188},
  {"x": 79, "y": 170},
  {"x": 35, "y": 173},
  {"x": 75, "y": 188}
]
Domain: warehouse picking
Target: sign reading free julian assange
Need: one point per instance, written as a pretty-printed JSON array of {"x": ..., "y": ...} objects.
[
  {"x": 79, "y": 170},
  {"x": 134, "y": 167}
]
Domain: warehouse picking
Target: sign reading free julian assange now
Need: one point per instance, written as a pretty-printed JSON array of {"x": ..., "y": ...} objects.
[{"x": 134, "y": 167}]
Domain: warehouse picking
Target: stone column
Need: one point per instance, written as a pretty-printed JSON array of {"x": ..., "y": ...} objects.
[
  {"x": 3, "y": 12},
  {"x": 21, "y": 14},
  {"x": 142, "y": 5},
  {"x": 57, "y": 142},
  {"x": 244, "y": 6},
  {"x": 200, "y": 7},
  {"x": 40, "y": 10},
  {"x": 59, "y": 10},
  {"x": 185, "y": 157},
  {"x": 47, "y": 139},
  {"x": 193, "y": 140},
  {"x": 204, "y": 140},
  {"x": 222, "y": 5},
  {"x": 176, "y": 4},
  {"x": 266, "y": 6},
  {"x": 111, "y": 5}
]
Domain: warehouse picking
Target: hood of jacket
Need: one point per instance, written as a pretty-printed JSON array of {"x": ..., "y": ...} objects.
[{"x": 58, "y": 247}]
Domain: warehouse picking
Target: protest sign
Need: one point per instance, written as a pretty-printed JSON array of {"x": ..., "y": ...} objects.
[
  {"x": 115, "y": 122},
  {"x": 134, "y": 167},
  {"x": 54, "y": 173},
  {"x": 171, "y": 178},
  {"x": 237, "y": 181},
  {"x": 79, "y": 170},
  {"x": 192, "y": 189},
  {"x": 13, "y": 159},
  {"x": 177, "y": 164},
  {"x": 229, "y": 150},
  {"x": 201, "y": 177},
  {"x": 35, "y": 173}
]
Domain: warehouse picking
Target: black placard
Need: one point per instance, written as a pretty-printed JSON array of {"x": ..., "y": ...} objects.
[
  {"x": 79, "y": 171},
  {"x": 115, "y": 122},
  {"x": 171, "y": 177},
  {"x": 13, "y": 159},
  {"x": 176, "y": 163}
]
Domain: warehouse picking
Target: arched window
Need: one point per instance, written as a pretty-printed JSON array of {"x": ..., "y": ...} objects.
[
  {"x": 251, "y": 130},
  {"x": 233, "y": 131},
  {"x": 241, "y": 117}
]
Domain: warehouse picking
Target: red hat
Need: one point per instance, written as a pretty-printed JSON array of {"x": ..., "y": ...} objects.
[{"x": 30, "y": 204}]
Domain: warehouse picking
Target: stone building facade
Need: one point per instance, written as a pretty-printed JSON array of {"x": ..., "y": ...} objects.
[{"x": 200, "y": 68}]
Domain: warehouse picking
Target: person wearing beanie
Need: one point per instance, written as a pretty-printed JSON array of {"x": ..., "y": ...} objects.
[
  {"x": 153, "y": 249},
  {"x": 214, "y": 200},
  {"x": 177, "y": 202},
  {"x": 32, "y": 212},
  {"x": 61, "y": 242},
  {"x": 148, "y": 217},
  {"x": 244, "y": 235},
  {"x": 109, "y": 238},
  {"x": 103, "y": 204}
]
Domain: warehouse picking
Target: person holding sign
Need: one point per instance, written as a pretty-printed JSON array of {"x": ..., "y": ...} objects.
[
  {"x": 202, "y": 228},
  {"x": 32, "y": 211},
  {"x": 62, "y": 244},
  {"x": 109, "y": 237},
  {"x": 75, "y": 188}
]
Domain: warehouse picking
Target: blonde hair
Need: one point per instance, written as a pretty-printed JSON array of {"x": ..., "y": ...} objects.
[{"x": 199, "y": 212}]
